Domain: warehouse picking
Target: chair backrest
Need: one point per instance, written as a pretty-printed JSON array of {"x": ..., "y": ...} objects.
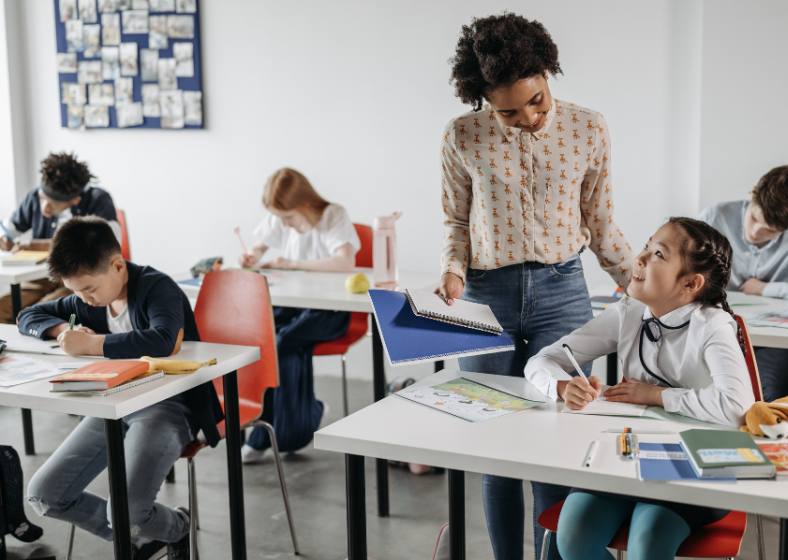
[
  {"x": 752, "y": 366},
  {"x": 234, "y": 307},
  {"x": 124, "y": 234},
  {"x": 364, "y": 255}
]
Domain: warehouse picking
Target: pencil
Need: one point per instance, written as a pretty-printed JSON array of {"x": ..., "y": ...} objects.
[{"x": 71, "y": 323}]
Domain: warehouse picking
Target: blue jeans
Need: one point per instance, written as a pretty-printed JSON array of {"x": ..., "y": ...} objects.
[
  {"x": 588, "y": 523},
  {"x": 536, "y": 304},
  {"x": 154, "y": 439},
  {"x": 773, "y": 370}
]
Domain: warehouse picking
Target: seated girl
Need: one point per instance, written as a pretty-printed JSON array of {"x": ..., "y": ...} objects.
[
  {"x": 681, "y": 349},
  {"x": 312, "y": 234}
]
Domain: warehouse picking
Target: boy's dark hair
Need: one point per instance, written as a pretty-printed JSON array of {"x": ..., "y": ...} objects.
[
  {"x": 771, "y": 194},
  {"x": 498, "y": 51},
  {"x": 707, "y": 252},
  {"x": 64, "y": 176},
  {"x": 82, "y": 246}
]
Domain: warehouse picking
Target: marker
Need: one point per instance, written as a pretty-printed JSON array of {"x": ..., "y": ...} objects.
[
  {"x": 238, "y": 233},
  {"x": 71, "y": 324},
  {"x": 574, "y": 362},
  {"x": 7, "y": 234},
  {"x": 636, "y": 431},
  {"x": 590, "y": 454},
  {"x": 622, "y": 445}
]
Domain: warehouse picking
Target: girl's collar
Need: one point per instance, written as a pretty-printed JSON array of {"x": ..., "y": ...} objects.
[{"x": 676, "y": 317}]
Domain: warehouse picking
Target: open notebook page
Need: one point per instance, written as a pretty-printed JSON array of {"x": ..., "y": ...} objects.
[{"x": 609, "y": 408}]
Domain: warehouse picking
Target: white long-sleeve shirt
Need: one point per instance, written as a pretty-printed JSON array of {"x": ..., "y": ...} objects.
[{"x": 702, "y": 360}]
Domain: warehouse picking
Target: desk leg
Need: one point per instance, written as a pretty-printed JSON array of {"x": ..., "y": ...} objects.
[
  {"x": 612, "y": 368},
  {"x": 116, "y": 463},
  {"x": 234, "y": 472},
  {"x": 783, "y": 553},
  {"x": 439, "y": 366},
  {"x": 27, "y": 417},
  {"x": 379, "y": 388},
  {"x": 457, "y": 514},
  {"x": 2, "y": 523},
  {"x": 356, "y": 508}
]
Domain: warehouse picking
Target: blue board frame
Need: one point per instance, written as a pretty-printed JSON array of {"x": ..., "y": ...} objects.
[{"x": 193, "y": 83}]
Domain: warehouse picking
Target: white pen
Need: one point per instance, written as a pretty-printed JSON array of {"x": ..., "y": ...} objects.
[
  {"x": 590, "y": 454},
  {"x": 631, "y": 431},
  {"x": 574, "y": 362}
]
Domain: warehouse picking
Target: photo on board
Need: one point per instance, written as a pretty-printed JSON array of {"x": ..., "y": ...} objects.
[
  {"x": 171, "y": 108},
  {"x": 75, "y": 114},
  {"x": 192, "y": 107},
  {"x": 167, "y": 78},
  {"x": 91, "y": 40},
  {"x": 74, "y": 35},
  {"x": 135, "y": 21},
  {"x": 129, "y": 66},
  {"x": 124, "y": 91},
  {"x": 184, "y": 59},
  {"x": 150, "y": 100},
  {"x": 129, "y": 115},
  {"x": 96, "y": 116},
  {"x": 140, "y": 5},
  {"x": 180, "y": 27},
  {"x": 66, "y": 63},
  {"x": 110, "y": 29},
  {"x": 101, "y": 94},
  {"x": 124, "y": 5},
  {"x": 106, "y": 7},
  {"x": 149, "y": 65},
  {"x": 162, "y": 5},
  {"x": 87, "y": 11},
  {"x": 157, "y": 38},
  {"x": 186, "y": 6},
  {"x": 72, "y": 94},
  {"x": 89, "y": 72},
  {"x": 68, "y": 10},
  {"x": 110, "y": 63}
]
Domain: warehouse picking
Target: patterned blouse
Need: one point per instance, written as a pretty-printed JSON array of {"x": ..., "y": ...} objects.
[{"x": 511, "y": 196}]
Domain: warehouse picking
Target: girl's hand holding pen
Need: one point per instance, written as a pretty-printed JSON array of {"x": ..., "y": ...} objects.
[{"x": 578, "y": 392}]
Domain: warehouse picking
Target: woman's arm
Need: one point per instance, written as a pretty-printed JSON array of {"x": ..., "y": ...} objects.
[
  {"x": 456, "y": 197},
  {"x": 344, "y": 260}
]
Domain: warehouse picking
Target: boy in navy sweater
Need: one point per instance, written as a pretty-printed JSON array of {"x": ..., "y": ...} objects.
[
  {"x": 124, "y": 311},
  {"x": 64, "y": 193}
]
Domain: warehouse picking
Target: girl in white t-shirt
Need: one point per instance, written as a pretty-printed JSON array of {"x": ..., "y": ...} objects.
[{"x": 311, "y": 234}]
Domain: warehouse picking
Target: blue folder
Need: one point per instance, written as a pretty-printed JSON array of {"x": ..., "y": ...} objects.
[
  {"x": 675, "y": 466},
  {"x": 408, "y": 338}
]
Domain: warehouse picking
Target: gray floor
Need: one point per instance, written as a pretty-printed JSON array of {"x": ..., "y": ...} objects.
[{"x": 317, "y": 489}]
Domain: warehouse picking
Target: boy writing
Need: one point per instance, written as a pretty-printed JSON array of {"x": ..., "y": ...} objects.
[
  {"x": 756, "y": 230},
  {"x": 125, "y": 311}
]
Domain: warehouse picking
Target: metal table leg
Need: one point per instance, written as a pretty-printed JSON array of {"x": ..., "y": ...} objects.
[
  {"x": 116, "y": 463},
  {"x": 379, "y": 387},
  {"x": 612, "y": 368},
  {"x": 356, "y": 508},
  {"x": 27, "y": 417},
  {"x": 439, "y": 366},
  {"x": 234, "y": 472},
  {"x": 783, "y": 553},
  {"x": 457, "y": 514}
]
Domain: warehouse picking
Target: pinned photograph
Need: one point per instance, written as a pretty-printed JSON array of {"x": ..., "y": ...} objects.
[
  {"x": 107, "y": 6},
  {"x": 74, "y": 35},
  {"x": 129, "y": 115},
  {"x": 87, "y": 11},
  {"x": 162, "y": 5},
  {"x": 149, "y": 65},
  {"x": 184, "y": 59},
  {"x": 124, "y": 4},
  {"x": 186, "y": 6},
  {"x": 91, "y": 40},
  {"x": 101, "y": 94},
  {"x": 110, "y": 63},
  {"x": 129, "y": 66},
  {"x": 124, "y": 91},
  {"x": 135, "y": 21},
  {"x": 68, "y": 10},
  {"x": 171, "y": 109},
  {"x": 66, "y": 63},
  {"x": 140, "y": 5},
  {"x": 75, "y": 114},
  {"x": 110, "y": 29},
  {"x": 96, "y": 116},
  {"x": 192, "y": 107},
  {"x": 72, "y": 94},
  {"x": 180, "y": 27},
  {"x": 89, "y": 72},
  {"x": 150, "y": 101},
  {"x": 167, "y": 78},
  {"x": 157, "y": 39}
]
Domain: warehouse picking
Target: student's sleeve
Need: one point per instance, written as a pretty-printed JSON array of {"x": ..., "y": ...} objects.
[
  {"x": 165, "y": 316},
  {"x": 776, "y": 290},
  {"x": 597, "y": 338},
  {"x": 456, "y": 196},
  {"x": 269, "y": 232},
  {"x": 22, "y": 218},
  {"x": 340, "y": 230},
  {"x": 614, "y": 253},
  {"x": 35, "y": 320},
  {"x": 730, "y": 396}
]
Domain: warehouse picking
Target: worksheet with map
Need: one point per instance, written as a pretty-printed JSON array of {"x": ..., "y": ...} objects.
[{"x": 17, "y": 369}]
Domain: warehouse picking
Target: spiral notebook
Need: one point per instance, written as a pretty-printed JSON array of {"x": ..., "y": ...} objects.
[
  {"x": 139, "y": 380},
  {"x": 464, "y": 313}
]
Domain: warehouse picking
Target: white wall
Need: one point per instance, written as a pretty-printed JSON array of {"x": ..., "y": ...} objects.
[{"x": 355, "y": 95}]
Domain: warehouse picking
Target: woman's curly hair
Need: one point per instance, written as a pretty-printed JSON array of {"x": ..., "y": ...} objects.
[
  {"x": 498, "y": 51},
  {"x": 63, "y": 173}
]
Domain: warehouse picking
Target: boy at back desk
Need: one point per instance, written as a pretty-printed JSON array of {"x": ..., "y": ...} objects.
[{"x": 124, "y": 311}]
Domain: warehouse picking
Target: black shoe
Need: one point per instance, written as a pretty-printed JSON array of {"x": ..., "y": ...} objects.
[
  {"x": 147, "y": 551},
  {"x": 13, "y": 493},
  {"x": 180, "y": 550}
]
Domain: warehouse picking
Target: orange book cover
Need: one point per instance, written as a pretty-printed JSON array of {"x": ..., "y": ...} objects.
[{"x": 109, "y": 372}]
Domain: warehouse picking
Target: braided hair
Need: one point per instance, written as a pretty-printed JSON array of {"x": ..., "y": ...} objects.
[{"x": 707, "y": 252}]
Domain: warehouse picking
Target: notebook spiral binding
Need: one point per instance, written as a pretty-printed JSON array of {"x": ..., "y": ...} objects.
[{"x": 451, "y": 320}]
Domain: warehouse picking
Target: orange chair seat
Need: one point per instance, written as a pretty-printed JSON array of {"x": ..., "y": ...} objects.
[
  {"x": 717, "y": 540},
  {"x": 355, "y": 332}
]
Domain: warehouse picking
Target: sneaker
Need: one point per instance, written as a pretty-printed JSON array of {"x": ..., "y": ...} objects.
[
  {"x": 180, "y": 550},
  {"x": 442, "y": 551},
  {"x": 148, "y": 550},
  {"x": 251, "y": 455}
]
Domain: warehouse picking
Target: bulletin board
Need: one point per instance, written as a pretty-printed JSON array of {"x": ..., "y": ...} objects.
[{"x": 129, "y": 64}]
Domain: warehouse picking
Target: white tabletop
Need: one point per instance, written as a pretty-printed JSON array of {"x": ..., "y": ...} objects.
[
  {"x": 325, "y": 290},
  {"x": 35, "y": 395},
  {"x": 19, "y": 274},
  {"x": 538, "y": 444}
]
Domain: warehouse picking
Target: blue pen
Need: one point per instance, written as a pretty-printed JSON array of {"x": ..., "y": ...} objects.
[{"x": 7, "y": 234}]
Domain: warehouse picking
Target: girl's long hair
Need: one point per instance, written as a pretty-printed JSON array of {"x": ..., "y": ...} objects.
[{"x": 287, "y": 190}]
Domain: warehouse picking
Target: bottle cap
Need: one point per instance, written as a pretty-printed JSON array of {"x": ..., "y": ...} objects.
[{"x": 387, "y": 222}]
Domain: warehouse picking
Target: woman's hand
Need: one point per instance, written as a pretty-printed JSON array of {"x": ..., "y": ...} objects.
[
  {"x": 578, "y": 392},
  {"x": 450, "y": 287},
  {"x": 635, "y": 392}
]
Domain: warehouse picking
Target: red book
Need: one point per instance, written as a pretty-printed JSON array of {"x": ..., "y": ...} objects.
[{"x": 99, "y": 376}]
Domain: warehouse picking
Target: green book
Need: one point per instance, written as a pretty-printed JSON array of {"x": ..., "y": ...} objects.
[{"x": 725, "y": 454}]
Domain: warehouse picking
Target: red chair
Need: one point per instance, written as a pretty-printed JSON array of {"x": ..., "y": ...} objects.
[
  {"x": 120, "y": 215},
  {"x": 717, "y": 540},
  {"x": 359, "y": 322}
]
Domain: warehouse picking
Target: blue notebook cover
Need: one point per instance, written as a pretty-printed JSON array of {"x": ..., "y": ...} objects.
[
  {"x": 408, "y": 338},
  {"x": 192, "y": 282},
  {"x": 667, "y": 461}
]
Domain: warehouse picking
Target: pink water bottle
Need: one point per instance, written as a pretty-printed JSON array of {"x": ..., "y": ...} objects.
[{"x": 384, "y": 251}]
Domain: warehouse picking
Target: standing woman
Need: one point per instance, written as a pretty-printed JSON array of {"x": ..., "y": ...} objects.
[{"x": 526, "y": 188}]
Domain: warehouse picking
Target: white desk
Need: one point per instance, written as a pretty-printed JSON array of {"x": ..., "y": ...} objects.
[
  {"x": 539, "y": 444},
  {"x": 36, "y": 395}
]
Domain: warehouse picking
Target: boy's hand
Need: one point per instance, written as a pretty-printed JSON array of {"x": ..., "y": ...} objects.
[
  {"x": 6, "y": 244},
  {"x": 247, "y": 261},
  {"x": 81, "y": 343},
  {"x": 753, "y": 286},
  {"x": 280, "y": 263},
  {"x": 578, "y": 392},
  {"x": 635, "y": 392}
]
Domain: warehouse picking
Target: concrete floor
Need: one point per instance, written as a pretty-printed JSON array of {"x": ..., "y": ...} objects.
[{"x": 317, "y": 489}]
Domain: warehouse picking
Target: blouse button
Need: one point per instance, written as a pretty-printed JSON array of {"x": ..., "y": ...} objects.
[{"x": 53, "y": 224}]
